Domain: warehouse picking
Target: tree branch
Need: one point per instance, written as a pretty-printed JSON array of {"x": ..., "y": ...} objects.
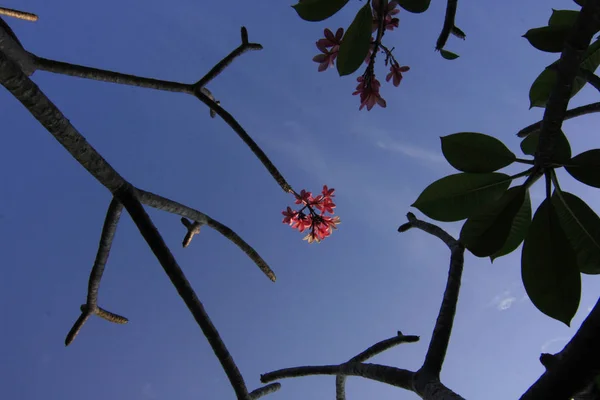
[
  {"x": 59, "y": 126},
  {"x": 586, "y": 25},
  {"x": 127, "y": 196},
  {"x": 380, "y": 347},
  {"x": 445, "y": 320},
  {"x": 382, "y": 373},
  {"x": 448, "y": 24},
  {"x": 162, "y": 203},
  {"x": 91, "y": 307},
  {"x": 193, "y": 228},
  {"x": 572, "y": 113},
  {"x": 9, "y": 12},
  {"x": 224, "y": 63},
  {"x": 265, "y": 390},
  {"x": 197, "y": 89}
]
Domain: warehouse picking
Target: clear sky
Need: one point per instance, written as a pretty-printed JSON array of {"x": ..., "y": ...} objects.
[{"x": 331, "y": 300}]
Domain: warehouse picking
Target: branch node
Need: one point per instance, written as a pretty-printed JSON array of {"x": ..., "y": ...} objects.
[{"x": 193, "y": 229}]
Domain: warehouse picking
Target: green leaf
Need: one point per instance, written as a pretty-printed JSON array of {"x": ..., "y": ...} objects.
[
  {"x": 562, "y": 151},
  {"x": 448, "y": 55},
  {"x": 476, "y": 152},
  {"x": 548, "y": 38},
  {"x": 544, "y": 84},
  {"x": 549, "y": 266},
  {"x": 414, "y": 6},
  {"x": 585, "y": 167},
  {"x": 457, "y": 196},
  {"x": 563, "y": 18},
  {"x": 542, "y": 88},
  {"x": 356, "y": 42},
  {"x": 582, "y": 227},
  {"x": 318, "y": 10},
  {"x": 518, "y": 230},
  {"x": 487, "y": 229}
]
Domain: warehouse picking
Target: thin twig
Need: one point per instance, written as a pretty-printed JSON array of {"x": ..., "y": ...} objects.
[
  {"x": 258, "y": 152},
  {"x": 572, "y": 113},
  {"x": 377, "y": 348},
  {"x": 162, "y": 203},
  {"x": 91, "y": 307},
  {"x": 382, "y": 373},
  {"x": 9, "y": 12},
  {"x": 265, "y": 390},
  {"x": 193, "y": 228},
  {"x": 224, "y": 63},
  {"x": 448, "y": 24},
  {"x": 443, "y": 326},
  {"x": 106, "y": 239},
  {"x": 127, "y": 196},
  {"x": 590, "y": 78}
]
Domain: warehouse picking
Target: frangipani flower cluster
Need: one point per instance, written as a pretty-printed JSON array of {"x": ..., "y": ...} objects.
[
  {"x": 368, "y": 85},
  {"x": 312, "y": 216}
]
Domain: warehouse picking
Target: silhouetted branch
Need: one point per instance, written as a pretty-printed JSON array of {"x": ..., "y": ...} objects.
[
  {"x": 381, "y": 373},
  {"x": 572, "y": 113},
  {"x": 445, "y": 320},
  {"x": 577, "y": 365},
  {"x": 586, "y": 25},
  {"x": 162, "y": 203},
  {"x": 91, "y": 307},
  {"x": 265, "y": 390},
  {"x": 9, "y": 12},
  {"x": 590, "y": 78},
  {"x": 340, "y": 380},
  {"x": 448, "y": 25},
  {"x": 127, "y": 196}
]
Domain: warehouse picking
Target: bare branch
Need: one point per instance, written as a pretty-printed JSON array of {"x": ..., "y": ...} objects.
[
  {"x": 9, "y": 12},
  {"x": 448, "y": 24},
  {"x": 56, "y": 123},
  {"x": 106, "y": 239},
  {"x": 228, "y": 118},
  {"x": 91, "y": 307},
  {"x": 192, "y": 229},
  {"x": 382, "y": 373},
  {"x": 197, "y": 89},
  {"x": 224, "y": 63},
  {"x": 445, "y": 320},
  {"x": 77, "y": 327},
  {"x": 380, "y": 347},
  {"x": 572, "y": 113},
  {"x": 127, "y": 196},
  {"x": 162, "y": 203},
  {"x": 86, "y": 313},
  {"x": 265, "y": 390},
  {"x": 80, "y": 71}
]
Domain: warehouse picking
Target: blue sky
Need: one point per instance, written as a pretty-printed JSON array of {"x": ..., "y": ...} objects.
[{"x": 331, "y": 300}]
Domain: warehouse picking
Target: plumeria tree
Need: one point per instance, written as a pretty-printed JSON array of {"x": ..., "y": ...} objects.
[{"x": 561, "y": 239}]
